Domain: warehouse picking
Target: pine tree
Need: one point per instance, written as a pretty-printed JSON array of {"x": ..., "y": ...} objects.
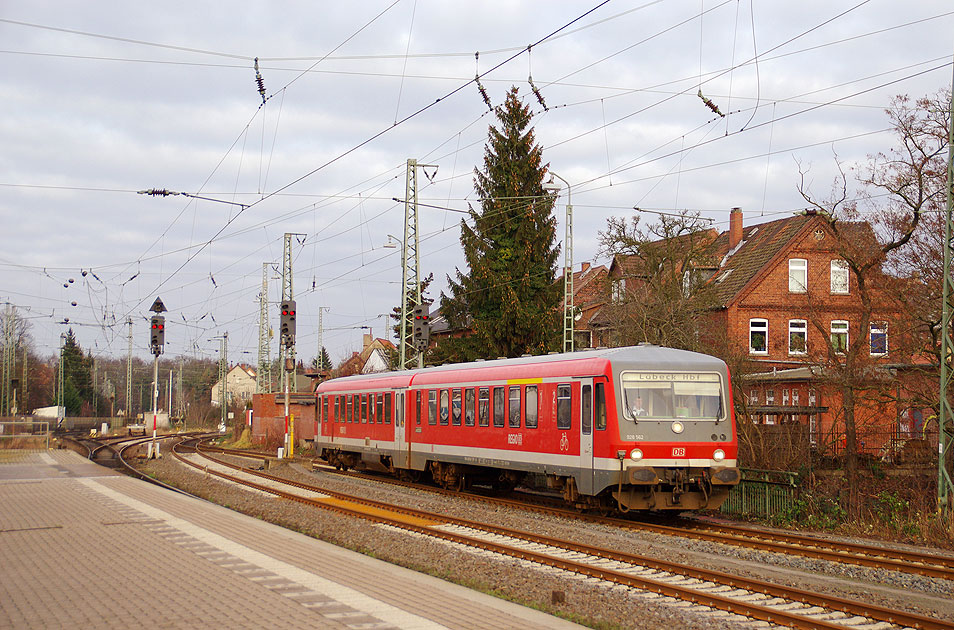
[{"x": 508, "y": 301}]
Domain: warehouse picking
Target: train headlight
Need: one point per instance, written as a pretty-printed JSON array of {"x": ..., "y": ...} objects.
[
  {"x": 677, "y": 427},
  {"x": 718, "y": 455},
  {"x": 636, "y": 454}
]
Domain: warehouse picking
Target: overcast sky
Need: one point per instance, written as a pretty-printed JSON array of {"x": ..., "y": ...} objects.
[{"x": 101, "y": 100}]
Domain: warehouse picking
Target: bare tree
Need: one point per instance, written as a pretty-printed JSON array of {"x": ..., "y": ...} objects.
[
  {"x": 666, "y": 300},
  {"x": 884, "y": 237}
]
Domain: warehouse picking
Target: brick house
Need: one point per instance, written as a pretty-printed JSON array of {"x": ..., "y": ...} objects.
[
  {"x": 782, "y": 294},
  {"x": 589, "y": 297}
]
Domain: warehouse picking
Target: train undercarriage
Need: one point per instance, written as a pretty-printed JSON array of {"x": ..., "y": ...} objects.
[{"x": 641, "y": 489}]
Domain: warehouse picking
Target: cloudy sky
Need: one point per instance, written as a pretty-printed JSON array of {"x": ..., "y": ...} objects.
[{"x": 101, "y": 100}]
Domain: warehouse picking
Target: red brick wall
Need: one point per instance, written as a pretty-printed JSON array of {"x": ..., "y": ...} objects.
[
  {"x": 268, "y": 418},
  {"x": 769, "y": 298}
]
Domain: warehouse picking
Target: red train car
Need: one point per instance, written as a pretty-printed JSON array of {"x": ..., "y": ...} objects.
[{"x": 641, "y": 427}]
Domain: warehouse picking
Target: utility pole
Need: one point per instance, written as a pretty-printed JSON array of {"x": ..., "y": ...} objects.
[
  {"x": 157, "y": 340},
  {"x": 9, "y": 359},
  {"x": 129, "y": 411},
  {"x": 180, "y": 396},
  {"x": 25, "y": 397},
  {"x": 263, "y": 380},
  {"x": 569, "y": 312},
  {"x": 945, "y": 433},
  {"x": 410, "y": 266},
  {"x": 321, "y": 333},
  {"x": 59, "y": 383},
  {"x": 169, "y": 396},
  {"x": 223, "y": 378}
]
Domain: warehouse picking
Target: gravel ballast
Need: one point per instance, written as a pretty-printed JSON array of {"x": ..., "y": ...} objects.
[{"x": 557, "y": 592}]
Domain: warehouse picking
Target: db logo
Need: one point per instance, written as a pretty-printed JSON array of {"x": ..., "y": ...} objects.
[
  {"x": 678, "y": 451},
  {"x": 564, "y": 443}
]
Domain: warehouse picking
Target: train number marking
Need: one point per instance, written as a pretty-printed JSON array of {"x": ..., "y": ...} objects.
[
  {"x": 678, "y": 451},
  {"x": 515, "y": 438}
]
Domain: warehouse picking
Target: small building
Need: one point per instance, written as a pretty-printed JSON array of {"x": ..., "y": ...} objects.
[{"x": 240, "y": 384}]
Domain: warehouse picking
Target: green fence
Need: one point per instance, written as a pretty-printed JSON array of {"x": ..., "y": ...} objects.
[{"x": 762, "y": 493}]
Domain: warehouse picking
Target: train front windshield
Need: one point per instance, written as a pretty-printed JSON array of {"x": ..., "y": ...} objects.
[{"x": 668, "y": 395}]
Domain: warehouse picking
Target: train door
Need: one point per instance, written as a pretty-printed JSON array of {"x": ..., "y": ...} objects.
[
  {"x": 399, "y": 420},
  {"x": 585, "y": 478}
]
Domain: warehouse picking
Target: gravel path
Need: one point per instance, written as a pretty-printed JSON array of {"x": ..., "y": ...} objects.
[{"x": 553, "y": 591}]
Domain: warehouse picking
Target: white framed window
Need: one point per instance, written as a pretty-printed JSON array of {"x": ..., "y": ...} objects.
[
  {"x": 797, "y": 275},
  {"x": 879, "y": 338},
  {"x": 770, "y": 397},
  {"x": 795, "y": 398},
  {"x": 797, "y": 336},
  {"x": 839, "y": 336},
  {"x": 754, "y": 397},
  {"x": 839, "y": 276},
  {"x": 811, "y": 398},
  {"x": 785, "y": 397},
  {"x": 618, "y": 290},
  {"x": 758, "y": 336}
]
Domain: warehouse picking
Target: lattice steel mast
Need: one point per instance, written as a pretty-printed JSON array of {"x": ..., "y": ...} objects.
[
  {"x": 410, "y": 268},
  {"x": 263, "y": 380}
]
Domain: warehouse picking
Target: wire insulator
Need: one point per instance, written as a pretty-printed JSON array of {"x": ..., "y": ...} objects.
[
  {"x": 536, "y": 93},
  {"x": 483, "y": 92},
  {"x": 710, "y": 104},
  {"x": 259, "y": 81}
]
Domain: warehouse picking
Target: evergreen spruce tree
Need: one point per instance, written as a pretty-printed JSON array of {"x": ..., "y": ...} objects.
[{"x": 508, "y": 301}]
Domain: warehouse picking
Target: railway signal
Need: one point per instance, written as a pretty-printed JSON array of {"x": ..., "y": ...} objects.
[
  {"x": 157, "y": 333},
  {"x": 288, "y": 322},
  {"x": 421, "y": 332}
]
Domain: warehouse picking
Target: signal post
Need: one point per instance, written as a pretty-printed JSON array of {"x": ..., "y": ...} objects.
[
  {"x": 287, "y": 338},
  {"x": 157, "y": 339}
]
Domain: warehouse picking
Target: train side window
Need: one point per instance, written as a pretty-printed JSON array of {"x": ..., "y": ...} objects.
[
  {"x": 600, "y": 406},
  {"x": 586, "y": 410},
  {"x": 387, "y": 408},
  {"x": 483, "y": 407},
  {"x": 469, "y": 407},
  {"x": 398, "y": 408},
  {"x": 445, "y": 404},
  {"x": 514, "y": 407},
  {"x": 500, "y": 411},
  {"x": 417, "y": 407},
  {"x": 364, "y": 409},
  {"x": 455, "y": 407},
  {"x": 379, "y": 408},
  {"x": 531, "y": 407},
  {"x": 352, "y": 399},
  {"x": 432, "y": 407},
  {"x": 326, "y": 416},
  {"x": 334, "y": 408},
  {"x": 564, "y": 408}
]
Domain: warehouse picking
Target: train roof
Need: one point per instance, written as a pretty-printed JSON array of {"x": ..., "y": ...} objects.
[{"x": 580, "y": 363}]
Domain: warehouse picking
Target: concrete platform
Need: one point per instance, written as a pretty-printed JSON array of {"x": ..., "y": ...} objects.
[{"x": 83, "y": 546}]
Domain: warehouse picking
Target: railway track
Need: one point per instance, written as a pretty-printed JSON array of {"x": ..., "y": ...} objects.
[
  {"x": 749, "y": 597},
  {"x": 904, "y": 561}
]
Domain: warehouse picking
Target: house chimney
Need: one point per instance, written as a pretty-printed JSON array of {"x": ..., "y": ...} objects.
[
  {"x": 584, "y": 267},
  {"x": 735, "y": 228},
  {"x": 367, "y": 340}
]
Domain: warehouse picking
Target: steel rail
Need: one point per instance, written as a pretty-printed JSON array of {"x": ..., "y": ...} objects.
[{"x": 750, "y": 584}]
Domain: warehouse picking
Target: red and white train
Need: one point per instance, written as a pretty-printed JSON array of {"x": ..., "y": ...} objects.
[{"x": 641, "y": 427}]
